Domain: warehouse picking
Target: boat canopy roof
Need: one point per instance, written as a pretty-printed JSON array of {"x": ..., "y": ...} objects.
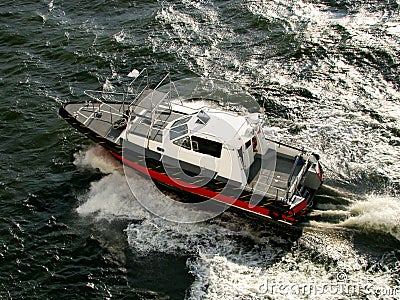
[{"x": 226, "y": 127}]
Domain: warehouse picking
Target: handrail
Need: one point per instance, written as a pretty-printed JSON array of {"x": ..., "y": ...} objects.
[
  {"x": 108, "y": 93},
  {"x": 96, "y": 110},
  {"x": 296, "y": 161},
  {"x": 294, "y": 185},
  {"x": 103, "y": 107},
  {"x": 302, "y": 150}
]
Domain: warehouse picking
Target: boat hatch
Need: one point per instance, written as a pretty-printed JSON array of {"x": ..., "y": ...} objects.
[{"x": 202, "y": 118}]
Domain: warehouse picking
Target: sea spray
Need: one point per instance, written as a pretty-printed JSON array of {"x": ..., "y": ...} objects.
[
  {"x": 377, "y": 213},
  {"x": 111, "y": 196},
  {"x": 97, "y": 157}
]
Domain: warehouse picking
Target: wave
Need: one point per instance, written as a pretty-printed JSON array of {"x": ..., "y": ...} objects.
[
  {"x": 233, "y": 264},
  {"x": 333, "y": 84},
  {"x": 229, "y": 258}
]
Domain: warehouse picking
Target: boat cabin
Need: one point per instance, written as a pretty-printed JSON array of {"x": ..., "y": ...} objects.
[{"x": 220, "y": 141}]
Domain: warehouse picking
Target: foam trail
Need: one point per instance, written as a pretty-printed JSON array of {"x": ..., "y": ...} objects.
[
  {"x": 378, "y": 213},
  {"x": 234, "y": 264}
]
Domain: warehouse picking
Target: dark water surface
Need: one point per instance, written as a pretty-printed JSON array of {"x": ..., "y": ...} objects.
[{"x": 327, "y": 73}]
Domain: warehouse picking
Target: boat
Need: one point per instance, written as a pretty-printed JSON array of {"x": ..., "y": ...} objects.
[{"x": 190, "y": 137}]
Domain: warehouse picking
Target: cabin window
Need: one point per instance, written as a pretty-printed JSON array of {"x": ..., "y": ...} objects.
[
  {"x": 206, "y": 146},
  {"x": 240, "y": 152},
  {"x": 181, "y": 121},
  {"x": 248, "y": 143},
  {"x": 183, "y": 142},
  {"x": 178, "y": 131},
  {"x": 156, "y": 135}
]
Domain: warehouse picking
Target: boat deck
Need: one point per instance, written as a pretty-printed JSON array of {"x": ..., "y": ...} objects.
[
  {"x": 273, "y": 174},
  {"x": 98, "y": 117}
]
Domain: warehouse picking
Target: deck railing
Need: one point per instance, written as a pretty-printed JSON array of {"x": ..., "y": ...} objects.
[
  {"x": 99, "y": 106},
  {"x": 294, "y": 182}
]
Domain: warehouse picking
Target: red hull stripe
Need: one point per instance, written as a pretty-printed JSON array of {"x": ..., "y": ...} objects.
[{"x": 197, "y": 190}]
